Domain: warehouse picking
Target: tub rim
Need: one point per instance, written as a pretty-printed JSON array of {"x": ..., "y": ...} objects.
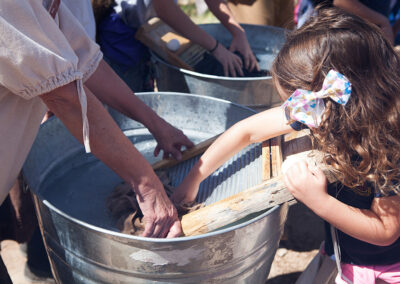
[{"x": 111, "y": 233}]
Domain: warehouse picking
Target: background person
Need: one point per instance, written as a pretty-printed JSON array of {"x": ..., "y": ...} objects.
[
  {"x": 117, "y": 29},
  {"x": 374, "y": 11}
]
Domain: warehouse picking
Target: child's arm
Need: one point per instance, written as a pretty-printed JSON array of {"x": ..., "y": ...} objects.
[
  {"x": 379, "y": 225},
  {"x": 259, "y": 127}
]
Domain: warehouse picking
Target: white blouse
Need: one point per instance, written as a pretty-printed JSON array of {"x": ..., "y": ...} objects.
[
  {"x": 37, "y": 55},
  {"x": 83, "y": 12}
]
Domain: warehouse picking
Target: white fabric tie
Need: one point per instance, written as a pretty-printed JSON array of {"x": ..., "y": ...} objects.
[{"x": 85, "y": 123}]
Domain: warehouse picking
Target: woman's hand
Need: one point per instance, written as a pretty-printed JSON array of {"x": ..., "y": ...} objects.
[
  {"x": 170, "y": 140},
  {"x": 160, "y": 215},
  {"x": 307, "y": 184},
  {"x": 241, "y": 44},
  {"x": 231, "y": 63}
]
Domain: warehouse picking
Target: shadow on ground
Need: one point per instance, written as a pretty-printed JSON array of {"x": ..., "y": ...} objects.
[{"x": 304, "y": 231}]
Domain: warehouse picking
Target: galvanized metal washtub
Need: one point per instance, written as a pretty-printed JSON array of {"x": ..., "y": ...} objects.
[
  {"x": 83, "y": 245},
  {"x": 255, "y": 92}
]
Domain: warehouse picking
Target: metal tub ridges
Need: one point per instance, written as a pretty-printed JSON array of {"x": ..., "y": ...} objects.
[
  {"x": 83, "y": 245},
  {"x": 255, "y": 92}
]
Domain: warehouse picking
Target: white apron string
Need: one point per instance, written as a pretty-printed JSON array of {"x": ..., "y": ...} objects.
[
  {"x": 52, "y": 6},
  {"x": 336, "y": 250},
  {"x": 85, "y": 122}
]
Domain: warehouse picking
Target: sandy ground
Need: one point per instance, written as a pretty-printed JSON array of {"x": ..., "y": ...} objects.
[
  {"x": 303, "y": 235},
  {"x": 300, "y": 243}
]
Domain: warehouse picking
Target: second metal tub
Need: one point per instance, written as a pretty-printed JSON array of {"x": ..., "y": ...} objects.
[{"x": 255, "y": 92}]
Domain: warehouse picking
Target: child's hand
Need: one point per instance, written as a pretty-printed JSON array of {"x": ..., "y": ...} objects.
[
  {"x": 307, "y": 184},
  {"x": 185, "y": 193}
]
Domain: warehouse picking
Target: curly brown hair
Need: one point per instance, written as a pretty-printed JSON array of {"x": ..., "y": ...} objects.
[{"x": 362, "y": 138}]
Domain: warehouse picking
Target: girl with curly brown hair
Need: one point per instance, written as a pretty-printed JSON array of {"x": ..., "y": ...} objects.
[{"x": 340, "y": 78}]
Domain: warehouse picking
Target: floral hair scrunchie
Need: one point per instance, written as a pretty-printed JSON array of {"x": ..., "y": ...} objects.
[{"x": 308, "y": 107}]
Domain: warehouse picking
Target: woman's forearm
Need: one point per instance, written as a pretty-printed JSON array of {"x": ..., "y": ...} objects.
[
  {"x": 172, "y": 15},
  {"x": 110, "y": 89}
]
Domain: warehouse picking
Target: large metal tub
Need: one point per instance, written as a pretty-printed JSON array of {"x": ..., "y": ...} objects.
[
  {"x": 255, "y": 92},
  {"x": 71, "y": 188}
]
